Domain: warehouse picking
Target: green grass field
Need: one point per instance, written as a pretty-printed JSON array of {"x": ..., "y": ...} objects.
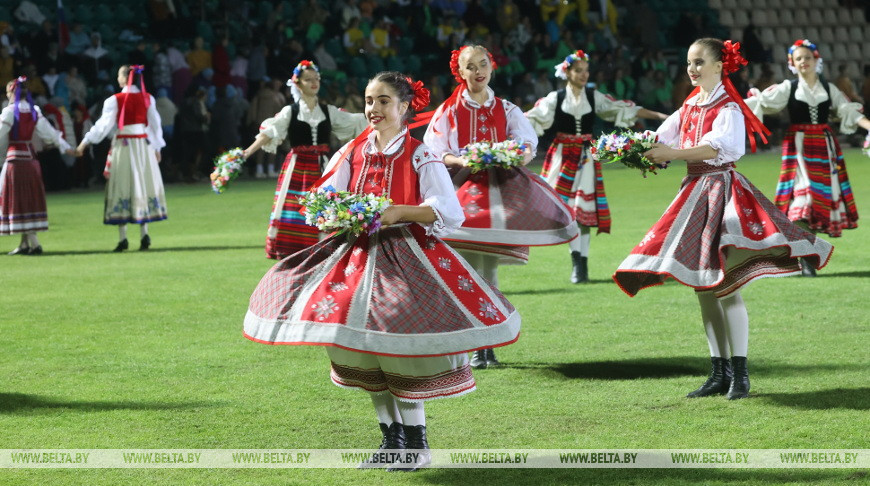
[{"x": 144, "y": 350}]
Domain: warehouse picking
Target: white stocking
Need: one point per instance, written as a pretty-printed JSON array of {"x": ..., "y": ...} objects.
[
  {"x": 737, "y": 321},
  {"x": 714, "y": 325},
  {"x": 412, "y": 413},
  {"x": 122, "y": 232},
  {"x": 32, "y": 240},
  {"x": 485, "y": 265},
  {"x": 143, "y": 230},
  {"x": 385, "y": 407},
  {"x": 581, "y": 243}
]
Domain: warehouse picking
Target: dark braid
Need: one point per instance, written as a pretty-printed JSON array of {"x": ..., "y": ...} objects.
[{"x": 399, "y": 83}]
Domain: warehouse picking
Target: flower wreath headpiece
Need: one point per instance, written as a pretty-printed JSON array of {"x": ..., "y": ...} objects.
[
  {"x": 809, "y": 45},
  {"x": 562, "y": 67},
  {"x": 297, "y": 71}
]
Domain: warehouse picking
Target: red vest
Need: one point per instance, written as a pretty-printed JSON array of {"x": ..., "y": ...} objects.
[
  {"x": 381, "y": 174},
  {"x": 136, "y": 110},
  {"x": 481, "y": 124},
  {"x": 20, "y": 148},
  {"x": 696, "y": 121}
]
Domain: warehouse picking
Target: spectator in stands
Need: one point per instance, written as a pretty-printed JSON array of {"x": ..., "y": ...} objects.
[
  {"x": 7, "y": 65},
  {"x": 266, "y": 103},
  {"x": 508, "y": 16},
  {"x": 167, "y": 111},
  {"x": 193, "y": 123},
  {"x": 865, "y": 88},
  {"x": 844, "y": 82},
  {"x": 257, "y": 69},
  {"x": 765, "y": 79},
  {"x": 753, "y": 48},
  {"x": 161, "y": 69},
  {"x": 97, "y": 60},
  {"x": 380, "y": 40},
  {"x": 78, "y": 40},
  {"x": 181, "y": 76},
  {"x": 349, "y": 12},
  {"x": 354, "y": 39},
  {"x": 199, "y": 57},
  {"x": 238, "y": 72}
]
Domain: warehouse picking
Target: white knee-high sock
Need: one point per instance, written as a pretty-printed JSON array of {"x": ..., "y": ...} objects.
[
  {"x": 32, "y": 240},
  {"x": 737, "y": 323},
  {"x": 143, "y": 230},
  {"x": 385, "y": 407},
  {"x": 490, "y": 269},
  {"x": 581, "y": 243},
  {"x": 412, "y": 413},
  {"x": 714, "y": 325},
  {"x": 122, "y": 232}
]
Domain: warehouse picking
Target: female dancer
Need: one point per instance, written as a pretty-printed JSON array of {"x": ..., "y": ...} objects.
[
  {"x": 398, "y": 309},
  {"x": 308, "y": 124},
  {"x": 134, "y": 191},
  {"x": 22, "y": 194},
  {"x": 506, "y": 210},
  {"x": 720, "y": 232},
  {"x": 571, "y": 112},
  {"x": 813, "y": 187}
]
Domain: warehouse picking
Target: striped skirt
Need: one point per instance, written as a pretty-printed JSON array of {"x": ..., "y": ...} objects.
[
  {"x": 577, "y": 179},
  {"x": 813, "y": 183},
  {"x": 287, "y": 231},
  {"x": 719, "y": 234},
  {"x": 22, "y": 198}
]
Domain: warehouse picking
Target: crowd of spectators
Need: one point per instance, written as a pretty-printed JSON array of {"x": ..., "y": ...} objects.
[{"x": 218, "y": 68}]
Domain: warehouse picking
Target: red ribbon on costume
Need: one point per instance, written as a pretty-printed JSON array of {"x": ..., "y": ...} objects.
[
  {"x": 134, "y": 69},
  {"x": 421, "y": 95}
]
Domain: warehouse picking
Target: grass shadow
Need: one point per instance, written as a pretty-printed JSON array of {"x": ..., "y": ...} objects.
[
  {"x": 850, "y": 398},
  {"x": 857, "y": 274},
  {"x": 668, "y": 367},
  {"x": 16, "y": 403},
  {"x": 154, "y": 250},
  {"x": 557, "y": 290}
]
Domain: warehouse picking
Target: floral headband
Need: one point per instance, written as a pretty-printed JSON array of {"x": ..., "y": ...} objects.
[
  {"x": 454, "y": 63},
  {"x": 302, "y": 66},
  {"x": 562, "y": 67},
  {"x": 809, "y": 45}
]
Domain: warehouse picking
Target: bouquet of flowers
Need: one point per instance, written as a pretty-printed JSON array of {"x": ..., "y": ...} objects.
[
  {"x": 486, "y": 155},
  {"x": 866, "y": 148},
  {"x": 341, "y": 211},
  {"x": 628, "y": 148},
  {"x": 226, "y": 168}
]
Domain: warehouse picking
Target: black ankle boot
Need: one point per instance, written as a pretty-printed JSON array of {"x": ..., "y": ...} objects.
[
  {"x": 740, "y": 384},
  {"x": 122, "y": 245},
  {"x": 807, "y": 269},
  {"x": 145, "y": 243},
  {"x": 394, "y": 439},
  {"x": 417, "y": 456},
  {"x": 478, "y": 359},
  {"x": 580, "y": 271},
  {"x": 491, "y": 360},
  {"x": 718, "y": 382}
]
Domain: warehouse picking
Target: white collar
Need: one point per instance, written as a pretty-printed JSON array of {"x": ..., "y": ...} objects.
[
  {"x": 391, "y": 147},
  {"x": 132, "y": 89},
  {"x": 490, "y": 98},
  {"x": 717, "y": 92}
]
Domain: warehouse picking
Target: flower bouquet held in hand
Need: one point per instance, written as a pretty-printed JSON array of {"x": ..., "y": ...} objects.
[
  {"x": 341, "y": 211},
  {"x": 486, "y": 155},
  {"x": 627, "y": 148},
  {"x": 226, "y": 168}
]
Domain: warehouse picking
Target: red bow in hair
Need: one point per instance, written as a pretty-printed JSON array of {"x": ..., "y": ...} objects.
[
  {"x": 421, "y": 95},
  {"x": 731, "y": 58},
  {"x": 454, "y": 63}
]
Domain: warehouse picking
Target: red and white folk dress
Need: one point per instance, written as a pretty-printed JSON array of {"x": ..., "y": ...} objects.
[
  {"x": 506, "y": 210},
  {"x": 308, "y": 132},
  {"x": 720, "y": 232},
  {"x": 134, "y": 191},
  {"x": 398, "y": 309},
  {"x": 22, "y": 194}
]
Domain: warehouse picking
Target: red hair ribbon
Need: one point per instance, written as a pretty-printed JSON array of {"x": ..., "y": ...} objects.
[
  {"x": 421, "y": 95},
  {"x": 731, "y": 58},
  {"x": 134, "y": 69}
]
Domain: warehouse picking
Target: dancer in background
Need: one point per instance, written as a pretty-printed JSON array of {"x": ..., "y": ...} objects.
[
  {"x": 398, "y": 309},
  {"x": 506, "y": 210},
  {"x": 134, "y": 189},
  {"x": 307, "y": 123},
  {"x": 568, "y": 168},
  {"x": 813, "y": 189},
  {"x": 22, "y": 194},
  {"x": 720, "y": 232}
]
